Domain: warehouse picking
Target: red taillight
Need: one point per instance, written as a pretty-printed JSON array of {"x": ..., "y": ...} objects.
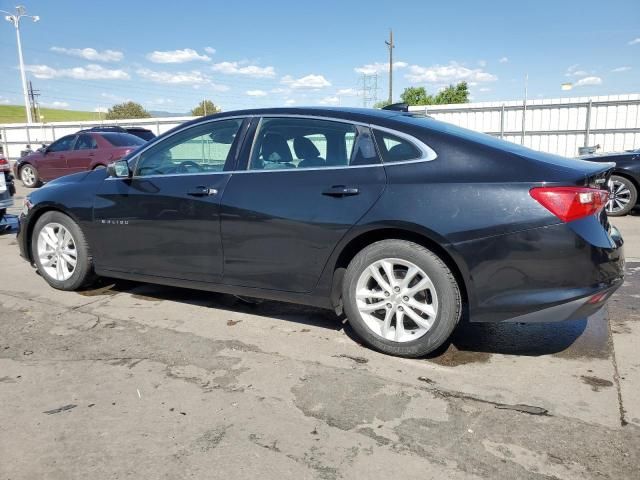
[
  {"x": 4, "y": 165},
  {"x": 571, "y": 203}
]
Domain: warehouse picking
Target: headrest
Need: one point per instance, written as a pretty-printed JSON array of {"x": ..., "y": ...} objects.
[
  {"x": 305, "y": 148},
  {"x": 401, "y": 151},
  {"x": 276, "y": 149}
]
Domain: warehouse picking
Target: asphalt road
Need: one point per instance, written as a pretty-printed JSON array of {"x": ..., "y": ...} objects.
[{"x": 139, "y": 381}]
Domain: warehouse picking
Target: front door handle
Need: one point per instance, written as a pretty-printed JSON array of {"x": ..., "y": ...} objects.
[
  {"x": 202, "y": 192},
  {"x": 341, "y": 191}
]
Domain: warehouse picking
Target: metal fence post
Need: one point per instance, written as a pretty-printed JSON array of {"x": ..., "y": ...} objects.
[
  {"x": 5, "y": 145},
  {"x": 502, "y": 121},
  {"x": 587, "y": 127}
]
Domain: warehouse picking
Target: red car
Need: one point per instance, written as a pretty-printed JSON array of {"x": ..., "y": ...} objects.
[{"x": 74, "y": 153}]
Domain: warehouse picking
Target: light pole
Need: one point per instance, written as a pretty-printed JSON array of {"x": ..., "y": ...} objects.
[{"x": 14, "y": 19}]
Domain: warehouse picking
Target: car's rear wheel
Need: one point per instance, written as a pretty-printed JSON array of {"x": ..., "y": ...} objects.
[
  {"x": 29, "y": 176},
  {"x": 622, "y": 197},
  {"x": 99, "y": 167},
  {"x": 60, "y": 252},
  {"x": 401, "y": 298}
]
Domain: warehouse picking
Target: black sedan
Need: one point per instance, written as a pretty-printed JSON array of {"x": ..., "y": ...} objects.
[
  {"x": 405, "y": 224},
  {"x": 624, "y": 183}
]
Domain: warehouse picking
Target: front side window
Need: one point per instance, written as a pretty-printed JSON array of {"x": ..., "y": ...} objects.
[
  {"x": 396, "y": 149},
  {"x": 300, "y": 143},
  {"x": 203, "y": 148},
  {"x": 62, "y": 145},
  {"x": 85, "y": 142}
]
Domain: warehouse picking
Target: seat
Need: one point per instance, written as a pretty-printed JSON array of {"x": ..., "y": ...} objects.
[
  {"x": 308, "y": 152},
  {"x": 276, "y": 152}
]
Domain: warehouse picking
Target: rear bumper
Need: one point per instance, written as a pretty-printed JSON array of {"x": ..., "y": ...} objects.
[{"x": 546, "y": 274}]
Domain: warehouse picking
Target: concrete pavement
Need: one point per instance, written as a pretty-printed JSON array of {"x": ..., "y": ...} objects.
[{"x": 139, "y": 381}]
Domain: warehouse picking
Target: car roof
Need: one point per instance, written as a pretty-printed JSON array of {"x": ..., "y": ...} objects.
[{"x": 355, "y": 114}]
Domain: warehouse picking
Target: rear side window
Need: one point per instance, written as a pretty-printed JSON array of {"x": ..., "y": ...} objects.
[
  {"x": 395, "y": 149},
  {"x": 122, "y": 139},
  {"x": 310, "y": 143},
  {"x": 85, "y": 142}
]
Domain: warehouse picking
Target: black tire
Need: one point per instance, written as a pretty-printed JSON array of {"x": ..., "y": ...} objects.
[
  {"x": 83, "y": 275},
  {"x": 632, "y": 197},
  {"x": 3, "y": 212},
  {"x": 36, "y": 176},
  {"x": 446, "y": 287}
]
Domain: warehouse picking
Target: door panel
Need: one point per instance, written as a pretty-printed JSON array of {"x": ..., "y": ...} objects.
[
  {"x": 156, "y": 226},
  {"x": 165, "y": 220},
  {"x": 279, "y": 228},
  {"x": 53, "y": 163},
  {"x": 83, "y": 154}
]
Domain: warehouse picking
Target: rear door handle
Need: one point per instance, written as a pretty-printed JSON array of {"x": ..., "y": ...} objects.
[
  {"x": 341, "y": 191},
  {"x": 202, "y": 192}
]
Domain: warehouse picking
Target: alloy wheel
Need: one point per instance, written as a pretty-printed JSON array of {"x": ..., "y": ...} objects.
[
  {"x": 396, "y": 299},
  {"x": 28, "y": 175},
  {"x": 619, "y": 196},
  {"x": 57, "y": 251}
]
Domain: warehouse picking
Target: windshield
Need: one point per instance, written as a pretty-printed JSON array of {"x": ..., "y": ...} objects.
[{"x": 122, "y": 139}]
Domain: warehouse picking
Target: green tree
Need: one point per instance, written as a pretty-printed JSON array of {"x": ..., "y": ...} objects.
[
  {"x": 416, "y": 96},
  {"x": 127, "y": 110},
  {"x": 452, "y": 94},
  {"x": 205, "y": 107}
]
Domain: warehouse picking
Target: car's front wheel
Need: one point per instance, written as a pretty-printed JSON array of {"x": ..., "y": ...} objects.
[
  {"x": 623, "y": 196},
  {"x": 29, "y": 176},
  {"x": 401, "y": 298},
  {"x": 60, "y": 252}
]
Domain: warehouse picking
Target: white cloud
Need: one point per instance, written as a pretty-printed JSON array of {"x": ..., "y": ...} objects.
[
  {"x": 454, "y": 72},
  {"x": 574, "y": 71},
  {"x": 280, "y": 90},
  {"x": 635, "y": 41},
  {"x": 330, "y": 100},
  {"x": 289, "y": 101},
  {"x": 159, "y": 102},
  {"x": 378, "y": 67},
  {"x": 256, "y": 93},
  {"x": 482, "y": 63},
  {"x": 484, "y": 89},
  {"x": 236, "y": 68},
  {"x": 101, "y": 109},
  {"x": 194, "y": 78},
  {"x": 90, "y": 72},
  {"x": 621, "y": 69},
  {"x": 503, "y": 60},
  {"x": 307, "y": 82},
  {"x": 210, "y": 50},
  {"x": 55, "y": 104},
  {"x": 176, "y": 56},
  {"x": 4, "y": 101},
  {"x": 588, "y": 81},
  {"x": 347, "y": 92},
  {"x": 91, "y": 54}
]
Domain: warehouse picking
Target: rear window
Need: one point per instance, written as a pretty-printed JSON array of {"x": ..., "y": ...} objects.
[
  {"x": 122, "y": 139},
  {"x": 144, "y": 134}
]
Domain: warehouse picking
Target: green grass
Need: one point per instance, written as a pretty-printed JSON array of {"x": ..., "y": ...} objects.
[{"x": 16, "y": 114}]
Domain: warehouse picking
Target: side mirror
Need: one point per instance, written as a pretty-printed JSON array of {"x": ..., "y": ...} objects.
[{"x": 119, "y": 169}]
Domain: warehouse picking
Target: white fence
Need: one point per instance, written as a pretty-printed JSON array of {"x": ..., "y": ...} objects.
[
  {"x": 559, "y": 125},
  {"x": 16, "y": 136}
]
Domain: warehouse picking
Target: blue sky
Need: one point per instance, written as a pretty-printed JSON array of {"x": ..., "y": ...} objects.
[{"x": 169, "y": 55}]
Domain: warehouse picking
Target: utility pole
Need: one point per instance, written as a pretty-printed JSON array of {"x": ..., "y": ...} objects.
[
  {"x": 14, "y": 19},
  {"x": 524, "y": 108},
  {"x": 391, "y": 46},
  {"x": 32, "y": 99},
  {"x": 204, "y": 106}
]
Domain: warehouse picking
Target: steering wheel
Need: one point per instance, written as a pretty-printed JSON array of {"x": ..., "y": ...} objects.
[{"x": 183, "y": 167}]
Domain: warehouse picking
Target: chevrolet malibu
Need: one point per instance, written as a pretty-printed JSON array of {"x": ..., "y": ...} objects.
[{"x": 405, "y": 224}]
